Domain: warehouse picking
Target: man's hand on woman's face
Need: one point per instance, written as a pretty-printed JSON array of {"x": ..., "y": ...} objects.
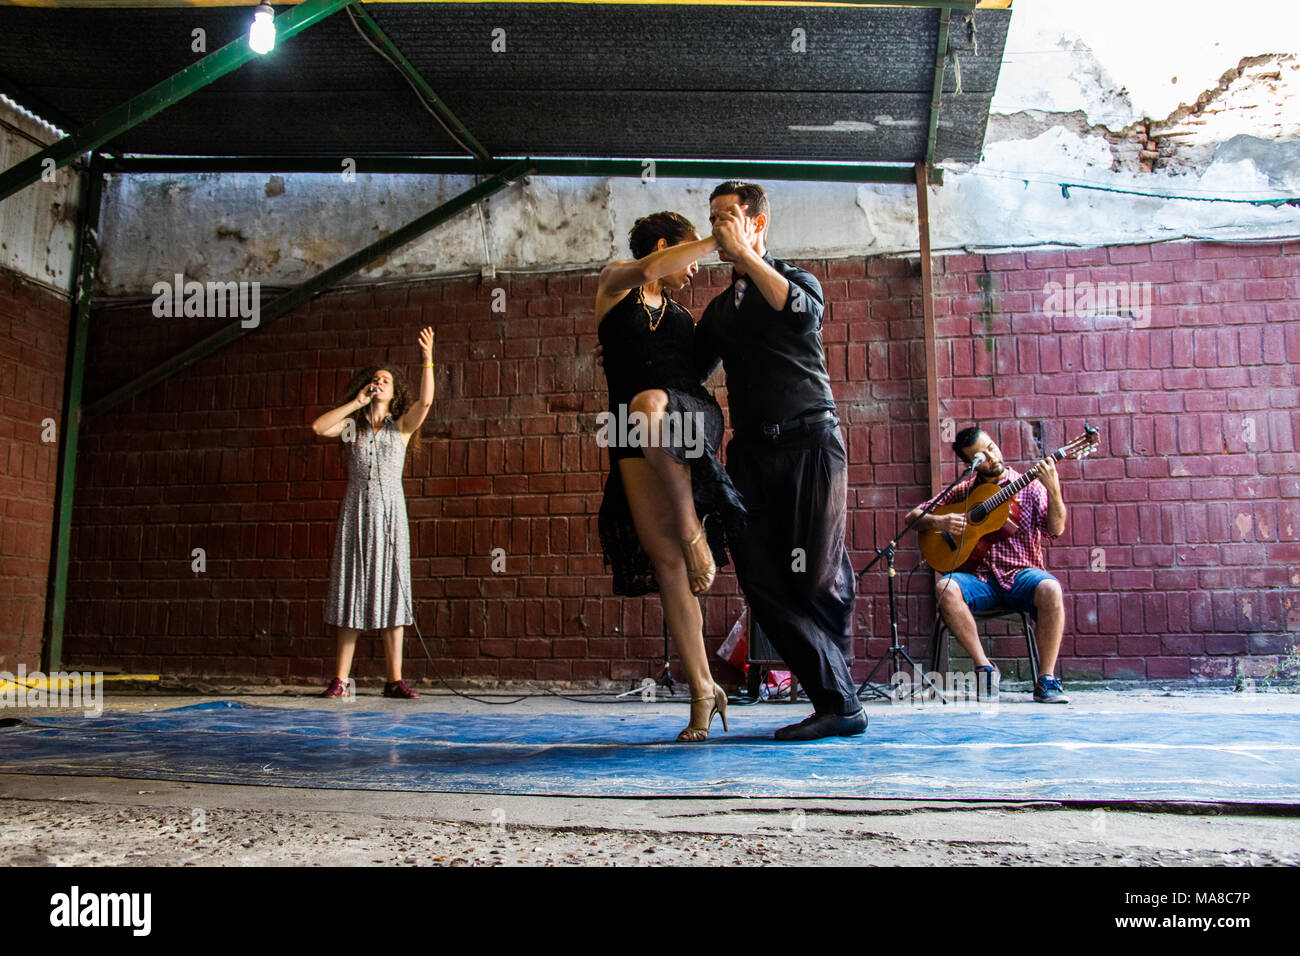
[{"x": 731, "y": 231}]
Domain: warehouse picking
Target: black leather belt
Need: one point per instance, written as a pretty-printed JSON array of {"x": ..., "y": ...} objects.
[{"x": 793, "y": 427}]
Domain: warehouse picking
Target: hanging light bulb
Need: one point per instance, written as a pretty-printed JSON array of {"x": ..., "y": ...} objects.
[{"x": 262, "y": 36}]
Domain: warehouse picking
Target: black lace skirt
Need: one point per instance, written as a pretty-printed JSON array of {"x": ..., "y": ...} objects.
[{"x": 716, "y": 499}]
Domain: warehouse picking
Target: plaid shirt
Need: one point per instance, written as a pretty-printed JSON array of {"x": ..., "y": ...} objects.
[{"x": 1024, "y": 549}]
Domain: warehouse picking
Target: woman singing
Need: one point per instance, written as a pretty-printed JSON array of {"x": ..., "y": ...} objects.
[
  {"x": 667, "y": 497},
  {"x": 370, "y": 575}
]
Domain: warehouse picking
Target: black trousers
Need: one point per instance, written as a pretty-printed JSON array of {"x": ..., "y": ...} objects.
[{"x": 791, "y": 560}]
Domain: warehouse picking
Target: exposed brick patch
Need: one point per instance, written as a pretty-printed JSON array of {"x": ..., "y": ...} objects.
[{"x": 33, "y": 345}]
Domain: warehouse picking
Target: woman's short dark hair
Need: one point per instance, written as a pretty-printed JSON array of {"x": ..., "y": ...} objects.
[{"x": 648, "y": 230}]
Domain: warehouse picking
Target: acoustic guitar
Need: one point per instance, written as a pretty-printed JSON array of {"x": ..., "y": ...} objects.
[{"x": 992, "y": 514}]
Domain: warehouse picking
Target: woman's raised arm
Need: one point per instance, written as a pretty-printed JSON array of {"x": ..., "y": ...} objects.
[
  {"x": 618, "y": 277},
  {"x": 414, "y": 416}
]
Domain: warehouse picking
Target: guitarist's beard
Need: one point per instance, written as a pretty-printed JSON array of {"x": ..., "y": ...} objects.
[{"x": 986, "y": 472}]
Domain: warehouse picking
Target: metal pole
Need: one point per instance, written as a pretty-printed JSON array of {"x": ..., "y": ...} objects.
[
  {"x": 87, "y": 267},
  {"x": 931, "y": 345},
  {"x": 936, "y": 97}
]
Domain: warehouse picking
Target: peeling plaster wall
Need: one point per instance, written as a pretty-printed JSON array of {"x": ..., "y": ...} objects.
[
  {"x": 38, "y": 226},
  {"x": 1197, "y": 100},
  {"x": 1120, "y": 61}
]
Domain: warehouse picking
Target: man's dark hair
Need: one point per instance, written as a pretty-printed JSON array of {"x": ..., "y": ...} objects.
[
  {"x": 753, "y": 198},
  {"x": 965, "y": 438},
  {"x": 648, "y": 230}
]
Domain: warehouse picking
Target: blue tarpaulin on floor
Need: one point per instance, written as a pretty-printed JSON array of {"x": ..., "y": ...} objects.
[{"x": 1038, "y": 754}]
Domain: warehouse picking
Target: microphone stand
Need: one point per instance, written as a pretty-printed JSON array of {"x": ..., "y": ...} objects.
[
  {"x": 665, "y": 679},
  {"x": 896, "y": 650}
]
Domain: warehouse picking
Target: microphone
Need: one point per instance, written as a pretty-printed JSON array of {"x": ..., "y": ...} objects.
[{"x": 978, "y": 459}]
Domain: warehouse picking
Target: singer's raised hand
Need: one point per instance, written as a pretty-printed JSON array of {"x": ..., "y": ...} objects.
[{"x": 414, "y": 416}]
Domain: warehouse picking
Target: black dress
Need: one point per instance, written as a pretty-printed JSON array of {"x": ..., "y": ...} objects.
[{"x": 653, "y": 349}]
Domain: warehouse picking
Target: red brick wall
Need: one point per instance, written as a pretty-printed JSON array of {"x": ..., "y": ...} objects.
[
  {"x": 33, "y": 344},
  {"x": 1198, "y": 531},
  {"x": 1192, "y": 505}
]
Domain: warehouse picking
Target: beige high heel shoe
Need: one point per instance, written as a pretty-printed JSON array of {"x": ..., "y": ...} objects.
[
  {"x": 700, "y": 576},
  {"x": 693, "y": 734}
]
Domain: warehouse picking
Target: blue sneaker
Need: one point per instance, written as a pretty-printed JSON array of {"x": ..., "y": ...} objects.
[{"x": 1047, "y": 690}]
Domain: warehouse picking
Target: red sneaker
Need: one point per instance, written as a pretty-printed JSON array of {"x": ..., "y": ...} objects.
[
  {"x": 335, "y": 689},
  {"x": 398, "y": 688}
]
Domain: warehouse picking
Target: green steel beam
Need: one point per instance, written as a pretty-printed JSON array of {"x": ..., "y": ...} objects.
[
  {"x": 602, "y": 168},
  {"x": 940, "y": 61},
  {"x": 444, "y": 113},
  {"x": 87, "y": 265},
  {"x": 156, "y": 99},
  {"x": 301, "y": 293}
]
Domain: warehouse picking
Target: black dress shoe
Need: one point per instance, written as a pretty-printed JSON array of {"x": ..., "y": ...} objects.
[{"x": 818, "y": 726}]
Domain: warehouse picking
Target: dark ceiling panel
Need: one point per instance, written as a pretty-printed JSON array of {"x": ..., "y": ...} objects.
[
  {"x": 352, "y": 123},
  {"x": 804, "y": 126},
  {"x": 717, "y": 82},
  {"x": 779, "y": 126},
  {"x": 677, "y": 48},
  {"x": 961, "y": 129}
]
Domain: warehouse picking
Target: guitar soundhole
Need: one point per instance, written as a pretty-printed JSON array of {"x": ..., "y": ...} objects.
[{"x": 977, "y": 514}]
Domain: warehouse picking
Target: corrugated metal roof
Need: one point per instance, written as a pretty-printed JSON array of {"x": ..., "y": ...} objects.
[{"x": 603, "y": 80}]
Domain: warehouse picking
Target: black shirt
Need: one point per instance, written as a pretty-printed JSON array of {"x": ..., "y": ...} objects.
[
  {"x": 776, "y": 368},
  {"x": 639, "y": 357}
]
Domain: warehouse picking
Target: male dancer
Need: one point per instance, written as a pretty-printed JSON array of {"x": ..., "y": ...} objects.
[{"x": 786, "y": 458}]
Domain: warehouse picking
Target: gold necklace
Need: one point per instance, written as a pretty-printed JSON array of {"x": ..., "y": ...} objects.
[{"x": 654, "y": 322}]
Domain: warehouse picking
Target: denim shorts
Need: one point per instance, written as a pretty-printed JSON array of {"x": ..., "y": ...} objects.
[{"x": 983, "y": 596}]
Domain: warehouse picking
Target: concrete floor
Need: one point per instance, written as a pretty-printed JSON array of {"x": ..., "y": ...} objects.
[{"x": 49, "y": 820}]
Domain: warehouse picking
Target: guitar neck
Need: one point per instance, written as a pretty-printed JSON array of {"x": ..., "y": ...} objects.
[{"x": 1009, "y": 491}]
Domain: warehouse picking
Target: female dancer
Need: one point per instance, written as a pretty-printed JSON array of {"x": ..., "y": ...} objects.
[
  {"x": 370, "y": 576},
  {"x": 650, "y": 525}
]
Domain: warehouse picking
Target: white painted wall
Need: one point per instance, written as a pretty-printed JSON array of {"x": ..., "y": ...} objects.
[
  {"x": 38, "y": 226},
  {"x": 1076, "y": 79},
  {"x": 1122, "y": 60}
]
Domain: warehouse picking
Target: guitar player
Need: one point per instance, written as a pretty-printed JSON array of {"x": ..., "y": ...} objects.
[{"x": 1011, "y": 573}]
